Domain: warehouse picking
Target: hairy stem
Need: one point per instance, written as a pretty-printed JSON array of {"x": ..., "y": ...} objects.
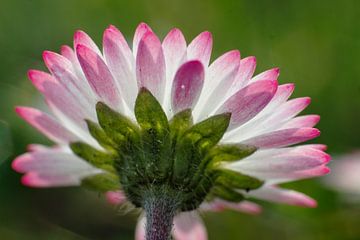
[{"x": 160, "y": 207}]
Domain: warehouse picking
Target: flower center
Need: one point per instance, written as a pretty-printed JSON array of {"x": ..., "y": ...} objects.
[{"x": 156, "y": 153}]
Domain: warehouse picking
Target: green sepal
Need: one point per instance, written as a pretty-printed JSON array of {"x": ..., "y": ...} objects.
[
  {"x": 219, "y": 154},
  {"x": 117, "y": 127},
  {"x": 193, "y": 145},
  {"x": 230, "y": 153},
  {"x": 237, "y": 180},
  {"x": 95, "y": 157},
  {"x": 226, "y": 193},
  {"x": 180, "y": 123},
  {"x": 99, "y": 134},
  {"x": 102, "y": 182},
  {"x": 155, "y": 134}
]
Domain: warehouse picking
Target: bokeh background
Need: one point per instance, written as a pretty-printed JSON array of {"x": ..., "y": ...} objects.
[{"x": 315, "y": 43}]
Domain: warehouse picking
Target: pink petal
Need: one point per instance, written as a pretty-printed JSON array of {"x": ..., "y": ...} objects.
[
  {"x": 115, "y": 197},
  {"x": 69, "y": 53},
  {"x": 200, "y": 48},
  {"x": 140, "y": 229},
  {"x": 321, "y": 147},
  {"x": 63, "y": 71},
  {"x": 51, "y": 161},
  {"x": 150, "y": 65},
  {"x": 290, "y": 197},
  {"x": 99, "y": 76},
  {"x": 220, "y": 77},
  {"x": 302, "y": 121},
  {"x": 289, "y": 110},
  {"x": 140, "y": 31},
  {"x": 60, "y": 101},
  {"x": 121, "y": 62},
  {"x": 187, "y": 85},
  {"x": 174, "y": 47},
  {"x": 310, "y": 173},
  {"x": 81, "y": 38},
  {"x": 271, "y": 74},
  {"x": 42, "y": 180},
  {"x": 280, "y": 163},
  {"x": 256, "y": 125},
  {"x": 219, "y": 205},
  {"x": 46, "y": 124},
  {"x": 39, "y": 78},
  {"x": 36, "y": 148},
  {"x": 52, "y": 168},
  {"x": 248, "y": 102},
  {"x": 283, "y": 138},
  {"x": 189, "y": 226},
  {"x": 245, "y": 72}
]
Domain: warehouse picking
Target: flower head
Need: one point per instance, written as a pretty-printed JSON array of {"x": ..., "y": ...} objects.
[
  {"x": 158, "y": 122},
  {"x": 345, "y": 177}
]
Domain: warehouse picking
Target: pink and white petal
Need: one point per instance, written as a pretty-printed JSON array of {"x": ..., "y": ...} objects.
[
  {"x": 174, "y": 47},
  {"x": 271, "y": 74},
  {"x": 302, "y": 121},
  {"x": 140, "y": 228},
  {"x": 321, "y": 147},
  {"x": 189, "y": 226},
  {"x": 36, "y": 147},
  {"x": 187, "y": 85},
  {"x": 70, "y": 54},
  {"x": 140, "y": 31},
  {"x": 39, "y": 78},
  {"x": 251, "y": 128},
  {"x": 81, "y": 38},
  {"x": 244, "y": 74},
  {"x": 280, "y": 163},
  {"x": 279, "y": 195},
  {"x": 99, "y": 77},
  {"x": 200, "y": 48},
  {"x": 219, "y": 205},
  {"x": 51, "y": 161},
  {"x": 121, "y": 63},
  {"x": 52, "y": 168},
  {"x": 298, "y": 175},
  {"x": 115, "y": 197},
  {"x": 247, "y": 207},
  {"x": 58, "y": 98},
  {"x": 248, "y": 102},
  {"x": 286, "y": 111},
  {"x": 283, "y": 138},
  {"x": 220, "y": 77},
  {"x": 150, "y": 65},
  {"x": 63, "y": 105},
  {"x": 44, "y": 180},
  {"x": 63, "y": 71},
  {"x": 46, "y": 124}
]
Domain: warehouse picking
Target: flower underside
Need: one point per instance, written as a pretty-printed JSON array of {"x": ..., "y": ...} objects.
[{"x": 156, "y": 154}]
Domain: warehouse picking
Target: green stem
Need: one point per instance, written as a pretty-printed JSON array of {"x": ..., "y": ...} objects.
[{"x": 160, "y": 207}]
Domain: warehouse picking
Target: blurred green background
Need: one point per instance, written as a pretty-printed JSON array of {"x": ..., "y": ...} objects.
[{"x": 315, "y": 43}]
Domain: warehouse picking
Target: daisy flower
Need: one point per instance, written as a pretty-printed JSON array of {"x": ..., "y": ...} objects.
[
  {"x": 158, "y": 126},
  {"x": 346, "y": 177}
]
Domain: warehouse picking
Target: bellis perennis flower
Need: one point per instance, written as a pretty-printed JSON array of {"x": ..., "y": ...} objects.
[{"x": 159, "y": 127}]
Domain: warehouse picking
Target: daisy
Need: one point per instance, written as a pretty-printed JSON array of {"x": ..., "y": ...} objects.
[
  {"x": 160, "y": 127},
  {"x": 346, "y": 178}
]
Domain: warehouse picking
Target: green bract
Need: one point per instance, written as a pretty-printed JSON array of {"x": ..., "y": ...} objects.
[{"x": 156, "y": 153}]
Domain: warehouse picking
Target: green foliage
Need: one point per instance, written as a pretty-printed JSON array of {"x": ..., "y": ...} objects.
[{"x": 5, "y": 142}]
